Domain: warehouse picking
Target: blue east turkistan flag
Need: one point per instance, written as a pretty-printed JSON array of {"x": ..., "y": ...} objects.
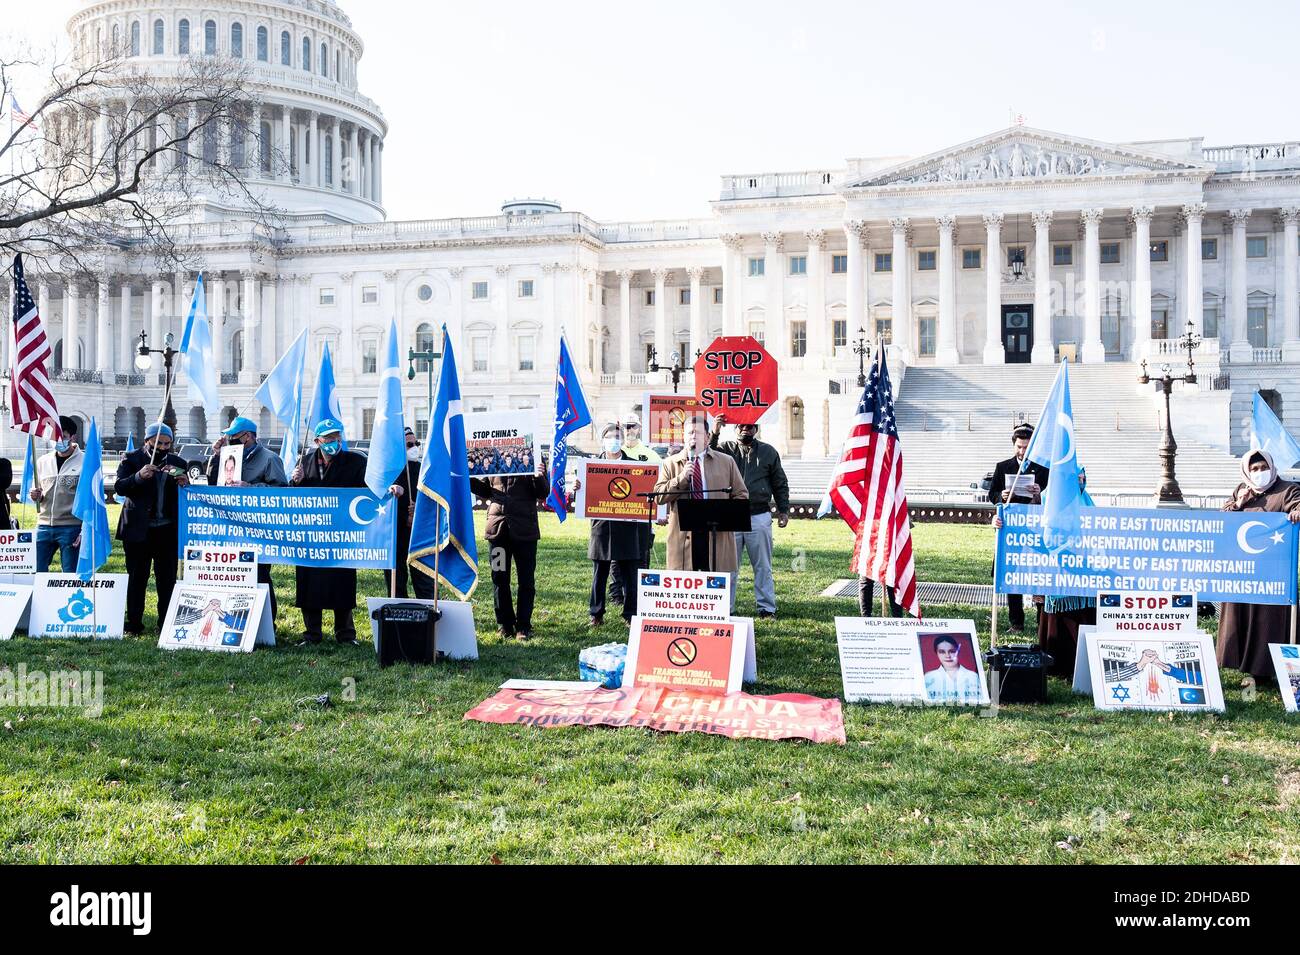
[
  {"x": 281, "y": 394},
  {"x": 325, "y": 401},
  {"x": 1053, "y": 447},
  {"x": 89, "y": 508},
  {"x": 29, "y": 471},
  {"x": 196, "y": 352},
  {"x": 442, "y": 531},
  {"x": 387, "y": 454},
  {"x": 1269, "y": 435},
  {"x": 130, "y": 443},
  {"x": 571, "y": 413}
]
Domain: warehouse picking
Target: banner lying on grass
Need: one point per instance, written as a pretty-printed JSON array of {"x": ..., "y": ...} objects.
[
  {"x": 309, "y": 527},
  {"x": 738, "y": 715},
  {"x": 1220, "y": 556}
]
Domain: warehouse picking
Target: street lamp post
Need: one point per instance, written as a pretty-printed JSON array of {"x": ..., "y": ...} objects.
[
  {"x": 428, "y": 355},
  {"x": 1169, "y": 494},
  {"x": 863, "y": 350},
  {"x": 143, "y": 363},
  {"x": 675, "y": 371}
]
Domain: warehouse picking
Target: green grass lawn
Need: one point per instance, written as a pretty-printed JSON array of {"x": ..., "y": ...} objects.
[{"x": 204, "y": 757}]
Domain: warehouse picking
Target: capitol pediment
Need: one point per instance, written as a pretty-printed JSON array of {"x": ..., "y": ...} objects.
[{"x": 1021, "y": 153}]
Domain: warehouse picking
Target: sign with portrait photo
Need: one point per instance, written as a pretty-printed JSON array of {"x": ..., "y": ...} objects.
[
  {"x": 615, "y": 490},
  {"x": 503, "y": 443},
  {"x": 216, "y": 617},
  {"x": 1158, "y": 672},
  {"x": 901, "y": 660},
  {"x": 1286, "y": 664},
  {"x": 230, "y": 468}
]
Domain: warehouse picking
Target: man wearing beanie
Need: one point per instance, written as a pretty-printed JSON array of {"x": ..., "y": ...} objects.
[
  {"x": 147, "y": 482},
  {"x": 57, "y": 474}
]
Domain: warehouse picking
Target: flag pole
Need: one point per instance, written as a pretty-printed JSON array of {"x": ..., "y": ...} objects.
[{"x": 437, "y": 539}]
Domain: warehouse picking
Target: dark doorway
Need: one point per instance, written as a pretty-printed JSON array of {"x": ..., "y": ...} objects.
[{"x": 1017, "y": 332}]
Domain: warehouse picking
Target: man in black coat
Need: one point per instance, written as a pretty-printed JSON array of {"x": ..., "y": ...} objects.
[
  {"x": 512, "y": 535},
  {"x": 999, "y": 494},
  {"x": 6, "y": 478},
  {"x": 328, "y": 588},
  {"x": 147, "y": 482},
  {"x": 405, "y": 502}
]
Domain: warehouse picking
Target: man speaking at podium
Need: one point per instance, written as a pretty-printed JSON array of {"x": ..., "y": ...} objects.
[{"x": 699, "y": 473}]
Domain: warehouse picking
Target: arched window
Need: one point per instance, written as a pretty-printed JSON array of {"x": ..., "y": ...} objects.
[
  {"x": 135, "y": 37},
  {"x": 237, "y": 352},
  {"x": 306, "y": 54},
  {"x": 263, "y": 45},
  {"x": 264, "y": 149},
  {"x": 183, "y": 38},
  {"x": 329, "y": 160},
  {"x": 286, "y": 49},
  {"x": 209, "y": 144},
  {"x": 324, "y": 60},
  {"x": 157, "y": 38},
  {"x": 424, "y": 343},
  {"x": 117, "y": 39},
  {"x": 237, "y": 39},
  {"x": 210, "y": 37}
]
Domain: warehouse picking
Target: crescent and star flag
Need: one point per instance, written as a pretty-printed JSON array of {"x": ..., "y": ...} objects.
[
  {"x": 130, "y": 443},
  {"x": 571, "y": 413},
  {"x": 442, "y": 531},
  {"x": 1269, "y": 435},
  {"x": 32, "y": 402},
  {"x": 29, "y": 471},
  {"x": 88, "y": 507},
  {"x": 387, "y": 457},
  {"x": 196, "y": 352},
  {"x": 281, "y": 394},
  {"x": 1052, "y": 446}
]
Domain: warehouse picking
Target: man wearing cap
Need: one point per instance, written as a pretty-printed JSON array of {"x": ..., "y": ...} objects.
[
  {"x": 57, "y": 474},
  {"x": 635, "y": 451},
  {"x": 147, "y": 480},
  {"x": 328, "y": 588},
  {"x": 261, "y": 468},
  {"x": 1000, "y": 492}
]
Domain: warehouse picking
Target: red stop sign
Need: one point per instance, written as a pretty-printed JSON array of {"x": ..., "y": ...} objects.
[{"x": 736, "y": 376}]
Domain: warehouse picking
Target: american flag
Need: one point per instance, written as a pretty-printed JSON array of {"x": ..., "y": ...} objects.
[
  {"x": 16, "y": 112},
  {"x": 867, "y": 491},
  {"x": 34, "y": 410}
]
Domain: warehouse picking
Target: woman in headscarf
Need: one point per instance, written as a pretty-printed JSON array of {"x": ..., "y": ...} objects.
[
  {"x": 1059, "y": 623},
  {"x": 1246, "y": 630}
]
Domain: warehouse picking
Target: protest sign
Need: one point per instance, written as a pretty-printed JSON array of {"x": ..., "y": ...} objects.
[
  {"x": 14, "y": 599},
  {"x": 683, "y": 595},
  {"x": 665, "y": 416},
  {"x": 737, "y": 377},
  {"x": 736, "y": 715},
  {"x": 455, "y": 635},
  {"x": 503, "y": 443},
  {"x": 64, "y": 605},
  {"x": 217, "y": 617},
  {"x": 230, "y": 469},
  {"x": 17, "y": 552},
  {"x": 705, "y": 656},
  {"x": 221, "y": 566},
  {"x": 1129, "y": 611},
  {"x": 1286, "y": 664},
  {"x": 308, "y": 527},
  {"x": 1217, "y": 555},
  {"x": 899, "y": 660},
  {"x": 615, "y": 490},
  {"x": 1164, "y": 672}
]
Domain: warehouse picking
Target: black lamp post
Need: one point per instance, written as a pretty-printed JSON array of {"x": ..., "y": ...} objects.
[
  {"x": 1169, "y": 493},
  {"x": 142, "y": 363},
  {"x": 675, "y": 370},
  {"x": 863, "y": 350},
  {"x": 428, "y": 355}
]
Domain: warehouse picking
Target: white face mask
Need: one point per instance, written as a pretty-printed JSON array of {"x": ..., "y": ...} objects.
[
  {"x": 1261, "y": 479},
  {"x": 413, "y": 453},
  {"x": 613, "y": 444}
]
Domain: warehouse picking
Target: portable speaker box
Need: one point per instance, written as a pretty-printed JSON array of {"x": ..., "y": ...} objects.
[{"x": 406, "y": 633}]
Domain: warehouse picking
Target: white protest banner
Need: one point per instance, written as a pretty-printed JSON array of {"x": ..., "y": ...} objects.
[
  {"x": 64, "y": 605},
  {"x": 503, "y": 443},
  {"x": 1166, "y": 672},
  {"x": 683, "y": 595},
  {"x": 221, "y": 566},
  {"x": 900, "y": 660},
  {"x": 454, "y": 634},
  {"x": 17, "y": 552},
  {"x": 1286, "y": 664},
  {"x": 1129, "y": 611},
  {"x": 216, "y": 617},
  {"x": 13, "y": 606}
]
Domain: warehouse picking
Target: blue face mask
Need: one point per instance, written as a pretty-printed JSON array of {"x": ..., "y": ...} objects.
[
  {"x": 331, "y": 448},
  {"x": 62, "y": 447}
]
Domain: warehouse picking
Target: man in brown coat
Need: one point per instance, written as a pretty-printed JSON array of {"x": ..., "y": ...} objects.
[{"x": 695, "y": 465}]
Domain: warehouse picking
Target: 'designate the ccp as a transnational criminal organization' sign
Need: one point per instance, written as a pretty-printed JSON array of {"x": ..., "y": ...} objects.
[
  {"x": 1217, "y": 555},
  {"x": 311, "y": 527}
]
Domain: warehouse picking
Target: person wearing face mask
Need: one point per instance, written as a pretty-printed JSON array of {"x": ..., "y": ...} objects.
[
  {"x": 700, "y": 473},
  {"x": 57, "y": 474},
  {"x": 147, "y": 483},
  {"x": 262, "y": 468},
  {"x": 1246, "y": 630},
  {"x": 635, "y": 451},
  {"x": 328, "y": 588},
  {"x": 408, "y": 482},
  {"x": 765, "y": 479},
  {"x": 621, "y": 544}
]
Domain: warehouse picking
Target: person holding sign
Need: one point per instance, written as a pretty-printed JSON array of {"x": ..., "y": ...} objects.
[
  {"x": 622, "y": 544},
  {"x": 700, "y": 473},
  {"x": 512, "y": 534},
  {"x": 1018, "y": 482},
  {"x": 634, "y": 450},
  {"x": 328, "y": 588},
  {"x": 57, "y": 475},
  {"x": 1246, "y": 630},
  {"x": 147, "y": 483}
]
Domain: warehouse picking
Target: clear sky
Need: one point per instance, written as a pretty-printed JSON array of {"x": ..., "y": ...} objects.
[{"x": 633, "y": 110}]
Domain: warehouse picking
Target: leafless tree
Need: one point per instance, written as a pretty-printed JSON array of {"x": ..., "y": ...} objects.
[{"x": 114, "y": 158}]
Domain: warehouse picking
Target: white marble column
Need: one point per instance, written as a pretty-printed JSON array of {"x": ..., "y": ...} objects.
[
  {"x": 1044, "y": 351},
  {"x": 352, "y": 178},
  {"x": 1142, "y": 277},
  {"x": 946, "y": 345},
  {"x": 379, "y": 173},
  {"x": 1194, "y": 213},
  {"x": 282, "y": 156},
  {"x": 900, "y": 298},
  {"x": 270, "y": 331},
  {"x": 1240, "y": 350},
  {"x": 695, "y": 273},
  {"x": 819, "y": 346},
  {"x": 1093, "y": 349},
  {"x": 994, "y": 352},
  {"x": 157, "y": 306},
  {"x": 248, "y": 375},
  {"x": 663, "y": 342},
  {"x": 625, "y": 326},
  {"x": 732, "y": 245},
  {"x": 374, "y": 168},
  {"x": 1290, "y": 324},
  {"x": 71, "y": 324},
  {"x": 311, "y": 170},
  {"x": 336, "y": 154},
  {"x": 777, "y": 337},
  {"x": 855, "y": 307},
  {"x": 216, "y": 294},
  {"x": 125, "y": 340}
]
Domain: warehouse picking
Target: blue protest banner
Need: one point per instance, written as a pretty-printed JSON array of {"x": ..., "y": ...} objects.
[
  {"x": 1245, "y": 557},
  {"x": 310, "y": 527}
]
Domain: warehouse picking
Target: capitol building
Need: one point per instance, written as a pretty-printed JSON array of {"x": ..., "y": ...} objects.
[{"x": 1019, "y": 247}]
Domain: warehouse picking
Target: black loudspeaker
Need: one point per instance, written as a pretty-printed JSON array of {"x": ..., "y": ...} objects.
[
  {"x": 1018, "y": 673},
  {"x": 406, "y": 633}
]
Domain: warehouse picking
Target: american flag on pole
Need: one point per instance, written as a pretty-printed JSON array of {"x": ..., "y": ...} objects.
[
  {"x": 867, "y": 491},
  {"x": 34, "y": 410},
  {"x": 16, "y": 112}
]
